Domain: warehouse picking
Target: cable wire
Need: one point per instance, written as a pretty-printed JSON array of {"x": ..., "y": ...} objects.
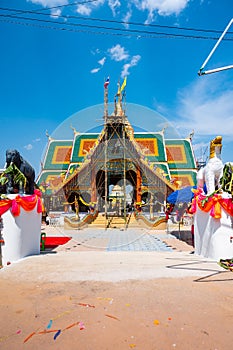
[
  {"x": 116, "y": 31},
  {"x": 107, "y": 20}
]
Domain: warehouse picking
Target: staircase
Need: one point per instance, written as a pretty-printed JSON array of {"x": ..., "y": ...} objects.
[
  {"x": 115, "y": 222},
  {"x": 99, "y": 222}
]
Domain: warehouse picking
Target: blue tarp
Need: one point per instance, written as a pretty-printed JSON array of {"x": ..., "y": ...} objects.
[{"x": 184, "y": 195}]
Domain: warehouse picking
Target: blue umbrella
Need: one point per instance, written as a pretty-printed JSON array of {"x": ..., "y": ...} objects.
[{"x": 184, "y": 195}]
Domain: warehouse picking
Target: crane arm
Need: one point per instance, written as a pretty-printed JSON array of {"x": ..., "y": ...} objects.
[{"x": 201, "y": 71}]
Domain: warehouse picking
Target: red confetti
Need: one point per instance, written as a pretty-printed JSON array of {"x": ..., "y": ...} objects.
[
  {"x": 48, "y": 331},
  {"x": 81, "y": 326},
  {"x": 111, "y": 316},
  {"x": 30, "y": 335},
  {"x": 71, "y": 325},
  {"x": 87, "y": 305}
]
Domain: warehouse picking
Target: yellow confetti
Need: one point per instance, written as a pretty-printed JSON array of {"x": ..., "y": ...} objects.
[
  {"x": 132, "y": 346},
  {"x": 156, "y": 322},
  {"x": 62, "y": 314},
  {"x": 107, "y": 299}
]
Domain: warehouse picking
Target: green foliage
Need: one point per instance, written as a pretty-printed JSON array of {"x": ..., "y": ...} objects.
[
  {"x": 226, "y": 180},
  {"x": 17, "y": 176},
  {"x": 3, "y": 180}
]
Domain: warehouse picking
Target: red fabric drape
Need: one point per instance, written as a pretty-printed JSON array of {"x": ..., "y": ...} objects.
[
  {"x": 212, "y": 204},
  {"x": 5, "y": 205},
  {"x": 28, "y": 203}
]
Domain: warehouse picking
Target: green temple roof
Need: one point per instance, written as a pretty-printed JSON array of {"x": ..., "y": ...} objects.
[{"x": 171, "y": 158}]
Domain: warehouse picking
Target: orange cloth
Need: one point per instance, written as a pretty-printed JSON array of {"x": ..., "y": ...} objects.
[
  {"x": 28, "y": 203},
  {"x": 212, "y": 204}
]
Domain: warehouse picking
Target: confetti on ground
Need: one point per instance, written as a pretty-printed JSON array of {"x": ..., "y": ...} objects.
[
  {"x": 110, "y": 300},
  {"x": 10, "y": 335},
  {"x": 56, "y": 331},
  {"x": 111, "y": 316},
  {"x": 49, "y": 324},
  {"x": 86, "y": 305},
  {"x": 57, "y": 334},
  {"x": 29, "y": 336},
  {"x": 45, "y": 331},
  {"x": 156, "y": 322},
  {"x": 62, "y": 314},
  {"x": 71, "y": 325},
  {"x": 81, "y": 326}
]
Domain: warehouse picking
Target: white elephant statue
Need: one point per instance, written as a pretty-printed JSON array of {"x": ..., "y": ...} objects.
[{"x": 212, "y": 172}]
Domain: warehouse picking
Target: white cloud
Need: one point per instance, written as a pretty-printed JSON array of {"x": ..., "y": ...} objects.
[
  {"x": 55, "y": 13},
  {"x": 207, "y": 106},
  {"x": 114, "y": 5},
  {"x": 95, "y": 70},
  {"x": 102, "y": 61},
  {"x": 134, "y": 61},
  {"x": 127, "y": 17},
  {"x": 118, "y": 53},
  {"x": 49, "y": 3},
  {"x": 84, "y": 10},
  {"x": 95, "y": 52},
  {"x": 162, "y": 7},
  {"x": 28, "y": 147},
  {"x": 125, "y": 70}
]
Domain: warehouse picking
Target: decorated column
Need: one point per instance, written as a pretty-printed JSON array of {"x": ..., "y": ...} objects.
[
  {"x": 213, "y": 233},
  {"x": 138, "y": 189},
  {"x": 21, "y": 216},
  {"x": 93, "y": 186}
]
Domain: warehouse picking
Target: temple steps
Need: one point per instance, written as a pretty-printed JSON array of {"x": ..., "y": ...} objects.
[{"x": 115, "y": 221}]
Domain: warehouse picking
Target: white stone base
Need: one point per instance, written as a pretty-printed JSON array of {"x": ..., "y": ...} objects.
[
  {"x": 21, "y": 234},
  {"x": 213, "y": 238}
]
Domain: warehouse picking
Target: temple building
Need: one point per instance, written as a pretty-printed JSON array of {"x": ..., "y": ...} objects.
[{"x": 116, "y": 169}]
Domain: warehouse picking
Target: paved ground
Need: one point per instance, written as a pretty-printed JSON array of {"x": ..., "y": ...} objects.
[
  {"x": 132, "y": 239},
  {"x": 129, "y": 240},
  {"x": 85, "y": 295},
  {"x": 112, "y": 255},
  {"x": 70, "y": 266}
]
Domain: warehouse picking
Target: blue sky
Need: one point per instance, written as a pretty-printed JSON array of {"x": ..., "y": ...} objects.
[{"x": 54, "y": 60}]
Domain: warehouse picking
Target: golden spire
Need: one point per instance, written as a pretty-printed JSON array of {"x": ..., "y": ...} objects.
[
  {"x": 217, "y": 142},
  {"x": 118, "y": 103},
  {"x": 74, "y": 130}
]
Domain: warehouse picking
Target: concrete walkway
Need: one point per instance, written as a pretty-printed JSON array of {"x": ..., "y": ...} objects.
[
  {"x": 132, "y": 239},
  {"x": 70, "y": 266},
  {"x": 117, "y": 240},
  {"x": 112, "y": 255}
]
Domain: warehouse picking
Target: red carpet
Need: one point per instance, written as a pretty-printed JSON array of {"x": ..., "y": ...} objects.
[{"x": 52, "y": 242}]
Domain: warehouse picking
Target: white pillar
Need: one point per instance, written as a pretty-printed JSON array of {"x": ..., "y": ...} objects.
[
  {"x": 213, "y": 237},
  {"x": 21, "y": 234}
]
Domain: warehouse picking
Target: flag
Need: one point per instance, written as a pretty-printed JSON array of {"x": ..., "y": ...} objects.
[
  {"x": 123, "y": 84},
  {"x": 106, "y": 83}
]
